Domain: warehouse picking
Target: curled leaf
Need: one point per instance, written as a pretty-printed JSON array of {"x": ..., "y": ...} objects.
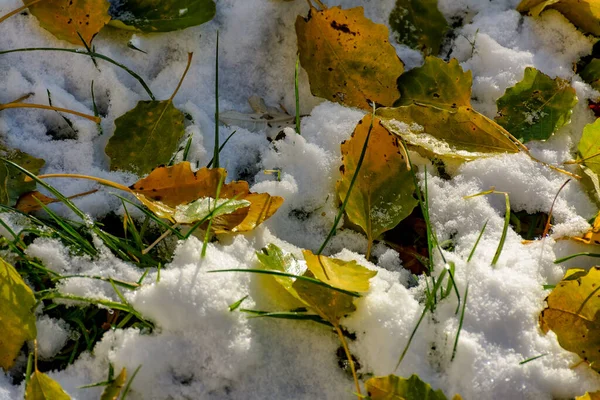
[
  {"x": 42, "y": 387},
  {"x": 375, "y": 204},
  {"x": 536, "y": 107},
  {"x": 67, "y": 19},
  {"x": 393, "y": 387},
  {"x": 573, "y": 314},
  {"x": 584, "y": 14},
  {"x": 17, "y": 320},
  {"x": 348, "y": 57}
]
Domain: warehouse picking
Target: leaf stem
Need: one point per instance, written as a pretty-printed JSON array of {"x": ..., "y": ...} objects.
[
  {"x": 187, "y": 68},
  {"x": 44, "y": 107}
]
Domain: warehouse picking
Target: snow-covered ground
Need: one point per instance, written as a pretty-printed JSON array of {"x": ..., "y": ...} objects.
[{"x": 199, "y": 349}]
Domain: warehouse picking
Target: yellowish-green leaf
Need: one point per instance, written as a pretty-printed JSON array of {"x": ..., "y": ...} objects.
[
  {"x": 274, "y": 259},
  {"x": 198, "y": 209},
  {"x": 419, "y": 24},
  {"x": 113, "y": 390},
  {"x": 348, "y": 275},
  {"x": 438, "y": 83},
  {"x": 17, "y": 321},
  {"x": 161, "y": 15},
  {"x": 374, "y": 204},
  {"x": 589, "y": 396},
  {"x": 536, "y": 107},
  {"x": 42, "y": 387},
  {"x": 65, "y": 18},
  {"x": 12, "y": 181},
  {"x": 573, "y": 314},
  {"x": 584, "y": 14},
  {"x": 393, "y": 387},
  {"x": 145, "y": 137},
  {"x": 460, "y": 133},
  {"x": 589, "y": 147},
  {"x": 348, "y": 57}
]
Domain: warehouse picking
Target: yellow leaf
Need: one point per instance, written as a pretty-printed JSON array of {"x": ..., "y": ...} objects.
[
  {"x": 112, "y": 391},
  {"x": 347, "y": 275},
  {"x": 374, "y": 204},
  {"x": 348, "y": 57},
  {"x": 42, "y": 387},
  {"x": 17, "y": 321},
  {"x": 393, "y": 387},
  {"x": 27, "y": 203},
  {"x": 592, "y": 236},
  {"x": 65, "y": 18},
  {"x": 584, "y": 14},
  {"x": 573, "y": 314},
  {"x": 589, "y": 396}
]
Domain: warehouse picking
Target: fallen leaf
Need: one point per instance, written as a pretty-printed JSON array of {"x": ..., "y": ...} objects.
[
  {"x": 30, "y": 202},
  {"x": 591, "y": 74},
  {"x": 113, "y": 390},
  {"x": 274, "y": 259},
  {"x": 161, "y": 15},
  {"x": 459, "y": 134},
  {"x": 17, "y": 320},
  {"x": 573, "y": 314},
  {"x": 584, "y": 14},
  {"x": 589, "y": 396},
  {"x": 347, "y": 275},
  {"x": 437, "y": 83},
  {"x": 13, "y": 183},
  {"x": 348, "y": 57},
  {"x": 592, "y": 236},
  {"x": 419, "y": 24},
  {"x": 42, "y": 387},
  {"x": 589, "y": 147},
  {"x": 264, "y": 118},
  {"x": 66, "y": 18},
  {"x": 374, "y": 204},
  {"x": 145, "y": 137},
  {"x": 536, "y": 107},
  {"x": 393, "y": 387}
]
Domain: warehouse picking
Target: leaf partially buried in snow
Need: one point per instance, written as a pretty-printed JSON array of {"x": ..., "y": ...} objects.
[
  {"x": 12, "y": 182},
  {"x": 161, "y": 15},
  {"x": 589, "y": 147},
  {"x": 393, "y": 387},
  {"x": 589, "y": 396},
  {"x": 113, "y": 390},
  {"x": 592, "y": 236},
  {"x": 573, "y": 314},
  {"x": 264, "y": 118},
  {"x": 591, "y": 73},
  {"x": 536, "y": 107},
  {"x": 17, "y": 320},
  {"x": 460, "y": 133},
  {"x": 42, "y": 387},
  {"x": 166, "y": 188},
  {"x": 438, "y": 83},
  {"x": 419, "y": 24},
  {"x": 584, "y": 14},
  {"x": 382, "y": 195},
  {"x": 145, "y": 137},
  {"x": 274, "y": 259},
  {"x": 348, "y": 57},
  {"x": 66, "y": 18}
]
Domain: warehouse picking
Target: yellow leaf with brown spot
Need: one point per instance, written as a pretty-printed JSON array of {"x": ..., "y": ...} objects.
[
  {"x": 65, "y": 18},
  {"x": 573, "y": 314},
  {"x": 17, "y": 321},
  {"x": 584, "y": 14},
  {"x": 348, "y": 57},
  {"x": 382, "y": 194}
]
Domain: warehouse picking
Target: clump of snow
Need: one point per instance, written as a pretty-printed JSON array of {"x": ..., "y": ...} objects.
[
  {"x": 52, "y": 335},
  {"x": 199, "y": 348}
]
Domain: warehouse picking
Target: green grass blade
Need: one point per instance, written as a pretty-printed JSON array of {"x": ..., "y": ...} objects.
[
  {"x": 210, "y": 163},
  {"x": 460, "y": 322},
  {"x": 532, "y": 358},
  {"x": 584, "y": 254},
  {"x": 216, "y": 146},
  {"x": 297, "y": 94},
  {"x": 504, "y": 230},
  {"x": 237, "y": 304},
  {"x": 477, "y": 241},
  {"x": 128, "y": 386}
]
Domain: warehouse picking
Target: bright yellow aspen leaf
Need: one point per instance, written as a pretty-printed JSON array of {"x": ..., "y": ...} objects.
[{"x": 42, "y": 387}]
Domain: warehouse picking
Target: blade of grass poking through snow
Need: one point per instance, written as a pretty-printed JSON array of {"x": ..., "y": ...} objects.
[
  {"x": 297, "y": 94},
  {"x": 186, "y": 150},
  {"x": 532, "y": 358},
  {"x": 87, "y": 47},
  {"x": 352, "y": 182},
  {"x": 216, "y": 146},
  {"x": 91, "y": 54},
  {"x": 279, "y": 273},
  {"x": 506, "y": 220},
  {"x": 237, "y": 304},
  {"x": 207, "y": 234},
  {"x": 44, "y": 107},
  {"x": 67, "y": 120},
  {"x": 460, "y": 322},
  {"x": 477, "y": 241},
  {"x": 153, "y": 217},
  {"x": 96, "y": 112},
  {"x": 569, "y": 257},
  {"x": 210, "y": 163},
  {"x": 29, "y": 368},
  {"x": 295, "y": 315},
  {"x": 128, "y": 386}
]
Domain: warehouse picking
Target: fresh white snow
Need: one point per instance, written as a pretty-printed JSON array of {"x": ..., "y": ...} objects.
[{"x": 199, "y": 349}]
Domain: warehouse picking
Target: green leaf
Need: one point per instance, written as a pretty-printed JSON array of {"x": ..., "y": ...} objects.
[
  {"x": 145, "y": 137},
  {"x": 584, "y": 14},
  {"x": 374, "y": 204},
  {"x": 348, "y": 57},
  {"x": 42, "y": 387},
  {"x": 113, "y": 390},
  {"x": 393, "y": 387},
  {"x": 589, "y": 147},
  {"x": 12, "y": 181},
  {"x": 591, "y": 73},
  {"x": 17, "y": 321},
  {"x": 419, "y": 24},
  {"x": 536, "y": 107},
  {"x": 465, "y": 135},
  {"x": 438, "y": 83},
  {"x": 161, "y": 15}
]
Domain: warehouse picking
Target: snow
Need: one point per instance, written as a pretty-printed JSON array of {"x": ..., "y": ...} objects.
[{"x": 201, "y": 350}]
